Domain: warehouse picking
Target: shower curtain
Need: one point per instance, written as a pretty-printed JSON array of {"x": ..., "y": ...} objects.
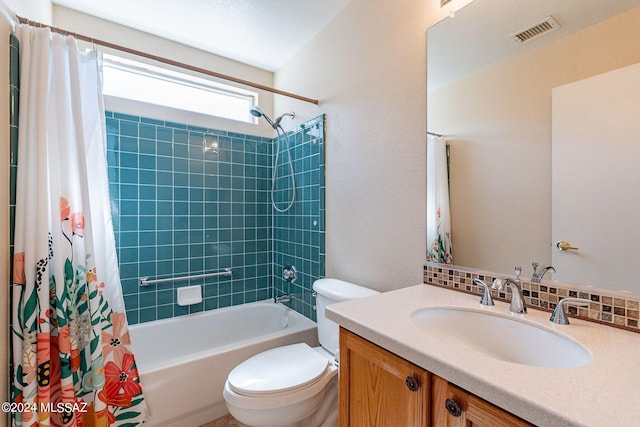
[
  {"x": 439, "y": 246},
  {"x": 71, "y": 352}
]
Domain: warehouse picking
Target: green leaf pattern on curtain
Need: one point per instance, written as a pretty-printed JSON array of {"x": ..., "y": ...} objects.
[
  {"x": 72, "y": 361},
  {"x": 441, "y": 252},
  {"x": 76, "y": 350}
]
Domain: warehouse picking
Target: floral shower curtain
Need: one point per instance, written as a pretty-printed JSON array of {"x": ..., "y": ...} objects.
[
  {"x": 71, "y": 352},
  {"x": 439, "y": 246}
]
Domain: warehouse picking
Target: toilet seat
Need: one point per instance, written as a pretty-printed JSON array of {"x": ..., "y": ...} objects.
[
  {"x": 305, "y": 385},
  {"x": 278, "y": 371},
  {"x": 294, "y": 385}
]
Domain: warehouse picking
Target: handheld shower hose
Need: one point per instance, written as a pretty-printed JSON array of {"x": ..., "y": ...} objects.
[{"x": 257, "y": 112}]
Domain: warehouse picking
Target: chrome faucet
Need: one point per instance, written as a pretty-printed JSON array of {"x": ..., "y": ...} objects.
[
  {"x": 517, "y": 303},
  {"x": 559, "y": 315},
  {"x": 486, "y": 295},
  {"x": 536, "y": 277},
  {"x": 282, "y": 298}
]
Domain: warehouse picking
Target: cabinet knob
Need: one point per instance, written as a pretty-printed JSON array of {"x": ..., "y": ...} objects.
[
  {"x": 453, "y": 407},
  {"x": 412, "y": 383}
]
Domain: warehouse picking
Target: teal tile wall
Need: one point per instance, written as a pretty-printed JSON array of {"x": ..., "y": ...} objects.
[
  {"x": 14, "y": 98},
  {"x": 299, "y": 233},
  {"x": 188, "y": 200}
]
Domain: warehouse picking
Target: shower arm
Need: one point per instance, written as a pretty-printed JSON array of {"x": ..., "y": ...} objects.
[{"x": 279, "y": 119}]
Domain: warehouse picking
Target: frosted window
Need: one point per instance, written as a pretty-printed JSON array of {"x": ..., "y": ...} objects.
[{"x": 158, "y": 86}]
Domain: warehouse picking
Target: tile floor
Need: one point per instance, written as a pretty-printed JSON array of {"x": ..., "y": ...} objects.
[{"x": 226, "y": 421}]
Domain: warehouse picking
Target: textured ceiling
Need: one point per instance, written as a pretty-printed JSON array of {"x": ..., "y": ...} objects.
[
  {"x": 263, "y": 33},
  {"x": 478, "y": 36},
  {"x": 266, "y": 33}
]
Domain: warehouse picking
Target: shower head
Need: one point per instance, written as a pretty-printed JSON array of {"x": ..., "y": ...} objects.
[
  {"x": 279, "y": 119},
  {"x": 257, "y": 112}
]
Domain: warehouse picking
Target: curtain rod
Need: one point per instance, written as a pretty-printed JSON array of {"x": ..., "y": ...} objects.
[{"x": 166, "y": 60}]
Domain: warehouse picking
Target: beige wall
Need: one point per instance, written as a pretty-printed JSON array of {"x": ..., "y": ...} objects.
[
  {"x": 37, "y": 10},
  {"x": 499, "y": 125},
  {"x": 368, "y": 69},
  {"x": 108, "y": 31}
]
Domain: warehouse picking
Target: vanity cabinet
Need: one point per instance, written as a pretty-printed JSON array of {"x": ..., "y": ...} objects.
[
  {"x": 455, "y": 407},
  {"x": 379, "y": 388}
]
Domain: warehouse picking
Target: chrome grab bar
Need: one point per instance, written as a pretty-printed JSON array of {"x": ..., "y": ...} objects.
[{"x": 144, "y": 281}]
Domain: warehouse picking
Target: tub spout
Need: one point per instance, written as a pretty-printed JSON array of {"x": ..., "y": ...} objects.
[{"x": 282, "y": 298}]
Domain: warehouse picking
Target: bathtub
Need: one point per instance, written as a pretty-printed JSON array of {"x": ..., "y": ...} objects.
[{"x": 184, "y": 362}]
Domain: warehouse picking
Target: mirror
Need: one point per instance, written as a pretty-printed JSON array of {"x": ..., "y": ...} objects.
[{"x": 491, "y": 97}]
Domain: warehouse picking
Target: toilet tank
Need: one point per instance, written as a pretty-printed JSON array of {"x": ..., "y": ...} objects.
[{"x": 329, "y": 291}]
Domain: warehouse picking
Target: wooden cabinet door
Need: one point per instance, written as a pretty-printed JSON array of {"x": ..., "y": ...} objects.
[
  {"x": 473, "y": 411},
  {"x": 374, "y": 390}
]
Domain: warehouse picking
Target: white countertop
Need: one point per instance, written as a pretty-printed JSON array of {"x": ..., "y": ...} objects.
[{"x": 604, "y": 392}]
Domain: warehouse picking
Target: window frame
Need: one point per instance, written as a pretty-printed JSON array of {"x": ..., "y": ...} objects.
[{"x": 183, "y": 79}]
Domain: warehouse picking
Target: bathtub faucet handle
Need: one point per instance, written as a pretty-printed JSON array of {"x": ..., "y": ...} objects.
[{"x": 289, "y": 273}]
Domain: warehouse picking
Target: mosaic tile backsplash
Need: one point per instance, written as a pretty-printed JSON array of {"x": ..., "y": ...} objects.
[
  {"x": 611, "y": 310},
  {"x": 188, "y": 200}
]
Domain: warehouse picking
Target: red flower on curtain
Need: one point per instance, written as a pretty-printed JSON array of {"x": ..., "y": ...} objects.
[
  {"x": 48, "y": 369},
  {"x": 105, "y": 413},
  {"x": 122, "y": 383}
]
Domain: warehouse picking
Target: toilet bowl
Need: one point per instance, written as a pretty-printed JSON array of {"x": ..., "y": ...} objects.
[
  {"x": 294, "y": 385},
  {"x": 281, "y": 387}
]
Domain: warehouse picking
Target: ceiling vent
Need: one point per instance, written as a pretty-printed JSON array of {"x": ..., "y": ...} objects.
[{"x": 545, "y": 26}]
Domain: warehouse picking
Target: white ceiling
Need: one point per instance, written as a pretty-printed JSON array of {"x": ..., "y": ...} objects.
[
  {"x": 266, "y": 33},
  {"x": 262, "y": 33},
  {"x": 478, "y": 36}
]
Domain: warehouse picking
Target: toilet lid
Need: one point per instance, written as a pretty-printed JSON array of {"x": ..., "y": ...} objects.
[{"x": 277, "y": 370}]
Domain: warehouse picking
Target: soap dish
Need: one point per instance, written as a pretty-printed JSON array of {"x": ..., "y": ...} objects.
[{"x": 189, "y": 295}]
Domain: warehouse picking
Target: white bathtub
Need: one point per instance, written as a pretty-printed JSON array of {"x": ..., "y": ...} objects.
[{"x": 184, "y": 361}]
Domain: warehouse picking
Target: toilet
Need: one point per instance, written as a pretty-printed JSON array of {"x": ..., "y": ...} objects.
[{"x": 294, "y": 385}]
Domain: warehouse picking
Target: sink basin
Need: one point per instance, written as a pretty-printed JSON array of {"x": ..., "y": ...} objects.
[{"x": 504, "y": 338}]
